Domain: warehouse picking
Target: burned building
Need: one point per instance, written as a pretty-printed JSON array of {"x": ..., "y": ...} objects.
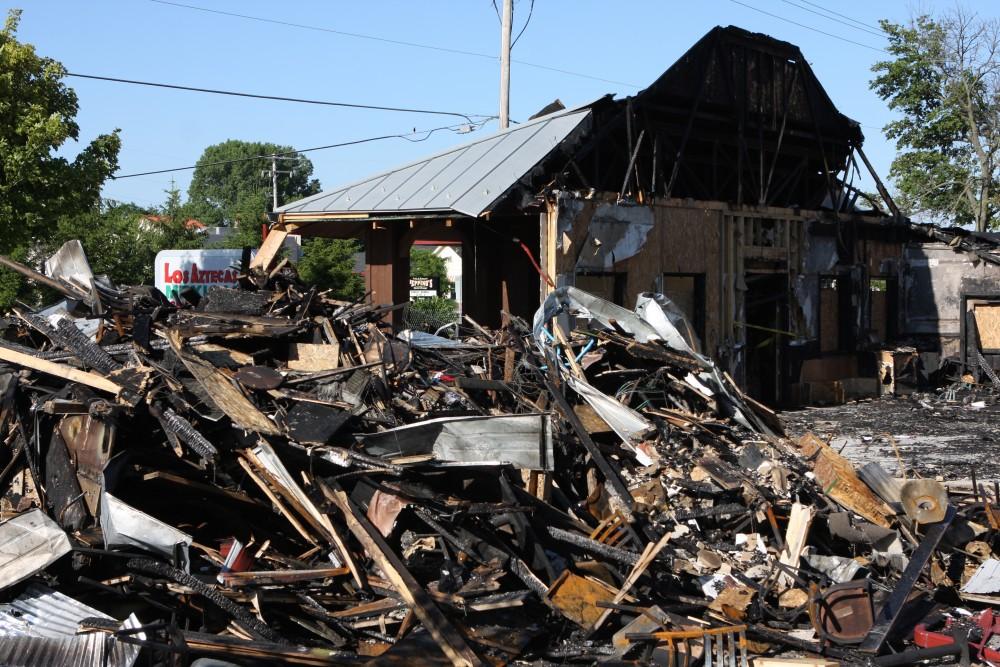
[{"x": 727, "y": 184}]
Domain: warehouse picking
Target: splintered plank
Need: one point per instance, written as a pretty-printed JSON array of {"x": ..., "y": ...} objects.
[
  {"x": 223, "y": 393},
  {"x": 271, "y": 577},
  {"x": 269, "y": 249},
  {"x": 58, "y": 370},
  {"x": 444, "y": 633},
  {"x": 274, "y": 473},
  {"x": 795, "y": 540},
  {"x": 649, "y": 554},
  {"x": 838, "y": 480}
]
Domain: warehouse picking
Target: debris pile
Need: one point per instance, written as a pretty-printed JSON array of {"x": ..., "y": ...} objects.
[{"x": 266, "y": 475}]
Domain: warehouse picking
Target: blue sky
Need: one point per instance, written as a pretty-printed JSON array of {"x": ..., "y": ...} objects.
[{"x": 627, "y": 42}]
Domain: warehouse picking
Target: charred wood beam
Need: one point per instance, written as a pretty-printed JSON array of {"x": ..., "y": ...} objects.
[
  {"x": 613, "y": 478},
  {"x": 676, "y": 116},
  {"x": 718, "y": 510},
  {"x": 631, "y": 165},
  {"x": 593, "y": 546},
  {"x": 243, "y": 617},
  {"x": 879, "y": 184},
  {"x": 706, "y": 71},
  {"x": 822, "y": 147},
  {"x": 186, "y": 433},
  {"x": 87, "y": 351},
  {"x": 887, "y": 616},
  {"x": 790, "y": 182},
  {"x": 452, "y": 643},
  {"x": 781, "y": 136},
  {"x": 42, "y": 279},
  {"x": 711, "y": 134}
]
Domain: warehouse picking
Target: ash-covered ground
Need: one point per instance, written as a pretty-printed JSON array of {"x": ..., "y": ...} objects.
[{"x": 945, "y": 434}]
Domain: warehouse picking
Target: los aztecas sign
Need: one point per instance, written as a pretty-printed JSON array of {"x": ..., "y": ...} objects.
[{"x": 179, "y": 270}]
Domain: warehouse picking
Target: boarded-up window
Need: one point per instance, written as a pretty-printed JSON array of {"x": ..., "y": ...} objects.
[{"x": 988, "y": 327}]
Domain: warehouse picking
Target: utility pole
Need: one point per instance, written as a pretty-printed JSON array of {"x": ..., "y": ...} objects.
[
  {"x": 505, "y": 29},
  {"x": 274, "y": 181}
]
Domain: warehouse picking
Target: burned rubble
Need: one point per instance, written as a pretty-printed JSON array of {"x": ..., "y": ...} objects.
[{"x": 267, "y": 475}]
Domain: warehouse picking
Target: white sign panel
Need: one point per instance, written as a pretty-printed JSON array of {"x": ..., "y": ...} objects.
[{"x": 178, "y": 270}]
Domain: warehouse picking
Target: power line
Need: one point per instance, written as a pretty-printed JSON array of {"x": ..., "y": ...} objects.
[
  {"x": 214, "y": 91},
  {"x": 531, "y": 10},
  {"x": 355, "y": 142},
  {"x": 787, "y": 20},
  {"x": 844, "y": 16},
  {"x": 878, "y": 33},
  {"x": 386, "y": 40}
]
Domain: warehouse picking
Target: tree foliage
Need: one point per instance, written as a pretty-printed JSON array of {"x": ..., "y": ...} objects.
[
  {"x": 38, "y": 186},
  {"x": 248, "y": 216},
  {"x": 329, "y": 264},
  {"x": 944, "y": 80},
  {"x": 227, "y": 181},
  {"x": 121, "y": 240},
  {"x": 425, "y": 264}
]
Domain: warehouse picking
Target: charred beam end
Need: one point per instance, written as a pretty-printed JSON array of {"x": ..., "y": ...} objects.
[
  {"x": 593, "y": 546},
  {"x": 69, "y": 336},
  {"x": 719, "y": 510},
  {"x": 239, "y": 614},
  {"x": 187, "y": 434}
]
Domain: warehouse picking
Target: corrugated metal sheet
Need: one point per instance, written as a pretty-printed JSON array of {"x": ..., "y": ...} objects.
[
  {"x": 83, "y": 651},
  {"x": 40, "y": 628},
  {"x": 43, "y": 612},
  {"x": 986, "y": 580},
  {"x": 468, "y": 179}
]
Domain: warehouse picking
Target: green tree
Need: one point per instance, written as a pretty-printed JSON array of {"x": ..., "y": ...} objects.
[
  {"x": 37, "y": 186},
  {"x": 425, "y": 264},
  {"x": 248, "y": 215},
  {"x": 121, "y": 240},
  {"x": 231, "y": 175},
  {"x": 329, "y": 264},
  {"x": 431, "y": 313},
  {"x": 944, "y": 80}
]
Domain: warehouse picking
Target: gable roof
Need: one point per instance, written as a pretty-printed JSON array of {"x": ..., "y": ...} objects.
[{"x": 468, "y": 179}]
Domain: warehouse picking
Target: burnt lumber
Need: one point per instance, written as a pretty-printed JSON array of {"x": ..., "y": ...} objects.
[{"x": 272, "y": 475}]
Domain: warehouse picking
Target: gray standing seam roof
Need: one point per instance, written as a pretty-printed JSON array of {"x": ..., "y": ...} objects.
[{"x": 467, "y": 179}]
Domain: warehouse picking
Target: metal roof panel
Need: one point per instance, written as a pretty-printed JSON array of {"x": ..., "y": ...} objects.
[{"x": 466, "y": 179}]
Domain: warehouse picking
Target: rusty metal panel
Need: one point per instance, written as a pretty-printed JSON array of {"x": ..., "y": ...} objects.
[{"x": 90, "y": 442}]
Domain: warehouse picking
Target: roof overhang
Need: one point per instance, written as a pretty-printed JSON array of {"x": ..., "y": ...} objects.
[{"x": 468, "y": 180}]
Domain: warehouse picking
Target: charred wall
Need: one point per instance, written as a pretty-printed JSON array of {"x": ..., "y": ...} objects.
[
  {"x": 766, "y": 288},
  {"x": 941, "y": 289}
]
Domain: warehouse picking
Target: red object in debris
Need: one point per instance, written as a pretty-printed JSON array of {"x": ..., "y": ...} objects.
[
  {"x": 989, "y": 624},
  {"x": 236, "y": 557}
]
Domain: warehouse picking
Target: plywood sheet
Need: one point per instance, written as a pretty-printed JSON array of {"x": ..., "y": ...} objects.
[
  {"x": 988, "y": 326},
  {"x": 838, "y": 480},
  {"x": 310, "y": 357}
]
